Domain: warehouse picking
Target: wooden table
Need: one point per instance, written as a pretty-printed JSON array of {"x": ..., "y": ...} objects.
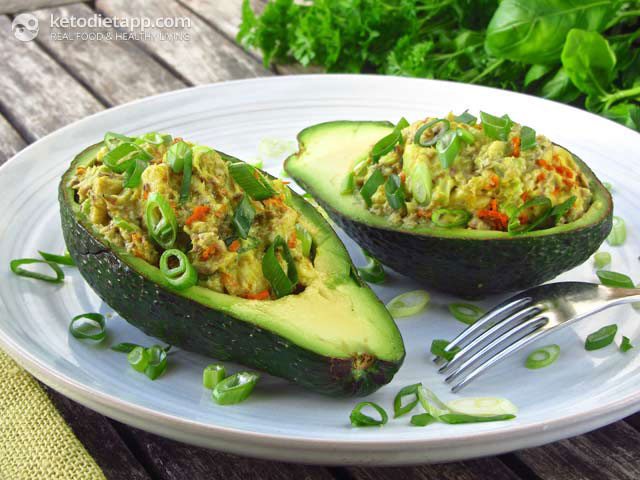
[{"x": 46, "y": 84}]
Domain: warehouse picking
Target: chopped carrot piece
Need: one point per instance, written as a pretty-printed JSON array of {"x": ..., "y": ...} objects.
[
  {"x": 421, "y": 212},
  {"x": 263, "y": 295},
  {"x": 515, "y": 141},
  {"x": 293, "y": 239},
  {"x": 523, "y": 218},
  {"x": 145, "y": 195},
  {"x": 235, "y": 245},
  {"x": 524, "y": 196},
  {"x": 541, "y": 177},
  {"x": 199, "y": 213},
  {"x": 492, "y": 216},
  {"x": 403, "y": 177},
  {"x": 567, "y": 183},
  {"x": 494, "y": 205},
  {"x": 543, "y": 163},
  {"x": 208, "y": 252},
  {"x": 81, "y": 170}
]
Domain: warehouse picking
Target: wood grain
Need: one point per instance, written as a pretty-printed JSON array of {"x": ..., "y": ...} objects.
[
  {"x": 10, "y": 141},
  {"x": 115, "y": 70},
  {"x": 14, "y": 6},
  {"x": 36, "y": 94},
  {"x": 207, "y": 56}
]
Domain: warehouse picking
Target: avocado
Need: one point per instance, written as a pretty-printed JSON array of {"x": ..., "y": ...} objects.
[
  {"x": 335, "y": 337},
  {"x": 465, "y": 262}
]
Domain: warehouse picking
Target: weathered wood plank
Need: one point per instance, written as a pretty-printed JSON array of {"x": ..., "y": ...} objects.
[
  {"x": 611, "y": 452},
  {"x": 207, "y": 56},
  {"x": 10, "y": 141},
  {"x": 100, "y": 439},
  {"x": 36, "y": 94},
  {"x": 115, "y": 70},
  {"x": 170, "y": 460},
  {"x": 469, "y": 470},
  {"x": 14, "y": 6}
]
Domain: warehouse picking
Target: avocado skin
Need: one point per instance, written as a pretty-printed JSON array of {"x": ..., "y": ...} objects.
[
  {"x": 476, "y": 268},
  {"x": 192, "y": 326}
]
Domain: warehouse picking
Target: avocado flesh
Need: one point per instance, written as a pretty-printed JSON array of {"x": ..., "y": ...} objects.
[
  {"x": 335, "y": 337},
  {"x": 465, "y": 262}
]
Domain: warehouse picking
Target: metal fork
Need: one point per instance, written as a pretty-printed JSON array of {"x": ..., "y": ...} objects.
[{"x": 523, "y": 318}]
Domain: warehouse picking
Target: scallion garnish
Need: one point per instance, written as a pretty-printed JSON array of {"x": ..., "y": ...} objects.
[
  {"x": 527, "y": 138},
  {"x": 482, "y": 406},
  {"x": 154, "y": 138},
  {"x": 251, "y": 181},
  {"x": 408, "y": 304},
  {"x": 618, "y": 233},
  {"x": 601, "y": 259},
  {"x": 421, "y": 183},
  {"x": 438, "y": 348},
  {"x": 113, "y": 139},
  {"x": 372, "y": 272},
  {"x": 465, "y": 117},
  {"x": 387, "y": 143},
  {"x": 157, "y": 362},
  {"x": 138, "y": 358},
  {"x": 59, "y": 259},
  {"x": 626, "y": 345},
  {"x": 183, "y": 275},
  {"x": 542, "y": 357},
  {"x": 559, "y": 210},
  {"x": 466, "y": 312},
  {"x": 601, "y": 338},
  {"x": 212, "y": 375},
  {"x": 614, "y": 279},
  {"x": 359, "y": 419},
  {"x": 243, "y": 217},
  {"x": 458, "y": 418},
  {"x": 161, "y": 220},
  {"x": 422, "y": 420},
  {"x": 394, "y": 192},
  {"x": 450, "y": 218},
  {"x": 494, "y": 127},
  {"x": 348, "y": 184},
  {"x": 234, "y": 389},
  {"x": 371, "y": 186},
  {"x": 180, "y": 159},
  {"x": 281, "y": 283},
  {"x": 130, "y": 159},
  {"x": 125, "y": 225},
  {"x": 88, "y": 326},
  {"x": 16, "y": 268},
  {"x": 444, "y": 128},
  {"x": 305, "y": 238},
  {"x": 448, "y": 148},
  {"x": 466, "y": 136},
  {"x": 124, "y": 347},
  {"x": 133, "y": 175},
  {"x": 398, "y": 408},
  {"x": 516, "y": 227}
]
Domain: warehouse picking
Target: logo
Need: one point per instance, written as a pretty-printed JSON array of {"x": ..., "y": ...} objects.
[{"x": 25, "y": 27}]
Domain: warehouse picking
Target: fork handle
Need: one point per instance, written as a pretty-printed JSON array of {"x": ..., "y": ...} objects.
[{"x": 618, "y": 296}]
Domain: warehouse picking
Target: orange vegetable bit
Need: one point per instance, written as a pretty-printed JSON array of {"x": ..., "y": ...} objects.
[
  {"x": 263, "y": 295},
  {"x": 199, "y": 213},
  {"x": 494, "y": 181},
  {"x": 403, "y": 177},
  {"x": 543, "y": 163},
  {"x": 525, "y": 196},
  {"x": 235, "y": 245},
  {"x": 293, "y": 239},
  {"x": 541, "y": 177},
  {"x": 492, "y": 216},
  {"x": 515, "y": 141},
  {"x": 208, "y": 252}
]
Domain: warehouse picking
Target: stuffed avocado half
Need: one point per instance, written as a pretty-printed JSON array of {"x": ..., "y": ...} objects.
[
  {"x": 465, "y": 206},
  {"x": 208, "y": 253}
]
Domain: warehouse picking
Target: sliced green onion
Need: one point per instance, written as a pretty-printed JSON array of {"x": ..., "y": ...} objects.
[
  {"x": 249, "y": 244},
  {"x": 542, "y": 357},
  {"x": 421, "y": 183},
  {"x": 371, "y": 186},
  {"x": 398, "y": 408},
  {"x": 213, "y": 374},
  {"x": 243, "y": 217},
  {"x": 431, "y": 141},
  {"x": 494, "y": 127},
  {"x": 601, "y": 338},
  {"x": 527, "y": 138},
  {"x": 161, "y": 221},
  {"x": 305, "y": 238},
  {"x": 154, "y": 138},
  {"x": 618, "y": 233},
  {"x": 138, "y": 358},
  {"x": 177, "y": 154},
  {"x": 123, "y": 224},
  {"x": 112, "y": 139},
  {"x": 281, "y": 283},
  {"x": 614, "y": 279},
  {"x": 438, "y": 348},
  {"x": 408, "y": 304},
  {"x": 59, "y": 259},
  {"x": 626, "y": 345},
  {"x": 251, "y": 181},
  {"x": 422, "y": 420},
  {"x": 448, "y": 148},
  {"x": 450, "y": 218},
  {"x": 157, "y": 362},
  {"x": 120, "y": 159},
  {"x": 234, "y": 389},
  {"x": 124, "y": 347},
  {"x": 359, "y": 419},
  {"x": 388, "y": 142},
  {"x": 601, "y": 259},
  {"x": 185, "y": 189},
  {"x": 372, "y": 272},
  {"x": 559, "y": 210},
  {"x": 16, "y": 268},
  {"x": 133, "y": 174},
  {"x": 515, "y": 227},
  {"x": 465, "y": 117},
  {"x": 394, "y": 192},
  {"x": 482, "y": 406},
  {"x": 458, "y": 418},
  {"x": 348, "y": 184},
  {"x": 181, "y": 277},
  {"x": 466, "y": 312},
  {"x": 466, "y": 136},
  {"x": 89, "y": 326},
  {"x": 431, "y": 403}
]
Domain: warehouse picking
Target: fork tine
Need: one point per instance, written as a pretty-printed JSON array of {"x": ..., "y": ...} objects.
[
  {"x": 487, "y": 336},
  {"x": 500, "y": 348}
]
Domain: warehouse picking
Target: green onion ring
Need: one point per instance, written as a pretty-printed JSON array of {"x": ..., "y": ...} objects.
[
  {"x": 514, "y": 226},
  {"x": 527, "y": 138},
  {"x": 82, "y": 329},
  {"x": 601, "y": 338},
  {"x": 181, "y": 277},
  {"x": 601, "y": 259},
  {"x": 626, "y": 345},
  {"x": 157, "y": 363},
  {"x": 398, "y": 408},
  {"x": 422, "y": 420},
  {"x": 559, "y": 210},
  {"x": 348, "y": 184},
  {"x": 438, "y": 348},
  {"x": 371, "y": 185},
  {"x": 466, "y": 312},
  {"x": 138, "y": 358},
  {"x": 243, "y": 217},
  {"x": 466, "y": 136},
  {"x": 388, "y": 142},
  {"x": 448, "y": 148},
  {"x": 235, "y": 389},
  {"x": 372, "y": 272},
  {"x": 542, "y": 357},
  {"x": 614, "y": 279},
  {"x": 305, "y": 238},
  {"x": 618, "y": 233},
  {"x": 124, "y": 347},
  {"x": 59, "y": 259},
  {"x": 281, "y": 283},
  {"x": 465, "y": 117},
  {"x": 251, "y": 181},
  {"x": 459, "y": 418},
  {"x": 359, "y": 419},
  {"x": 394, "y": 192},
  {"x": 112, "y": 139},
  {"x": 212, "y": 375},
  {"x": 446, "y": 125},
  {"x": 16, "y": 268},
  {"x": 408, "y": 304},
  {"x": 161, "y": 221},
  {"x": 460, "y": 217},
  {"x": 497, "y": 128}
]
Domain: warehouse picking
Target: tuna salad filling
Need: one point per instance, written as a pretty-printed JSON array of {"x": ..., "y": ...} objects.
[
  {"x": 200, "y": 219},
  {"x": 458, "y": 172}
]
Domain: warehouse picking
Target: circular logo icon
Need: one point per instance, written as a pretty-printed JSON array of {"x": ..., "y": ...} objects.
[{"x": 25, "y": 27}]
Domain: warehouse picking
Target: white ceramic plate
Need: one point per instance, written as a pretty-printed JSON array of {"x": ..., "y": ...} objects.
[{"x": 582, "y": 391}]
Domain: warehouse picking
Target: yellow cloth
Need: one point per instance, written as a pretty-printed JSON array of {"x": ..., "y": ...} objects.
[{"x": 35, "y": 441}]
